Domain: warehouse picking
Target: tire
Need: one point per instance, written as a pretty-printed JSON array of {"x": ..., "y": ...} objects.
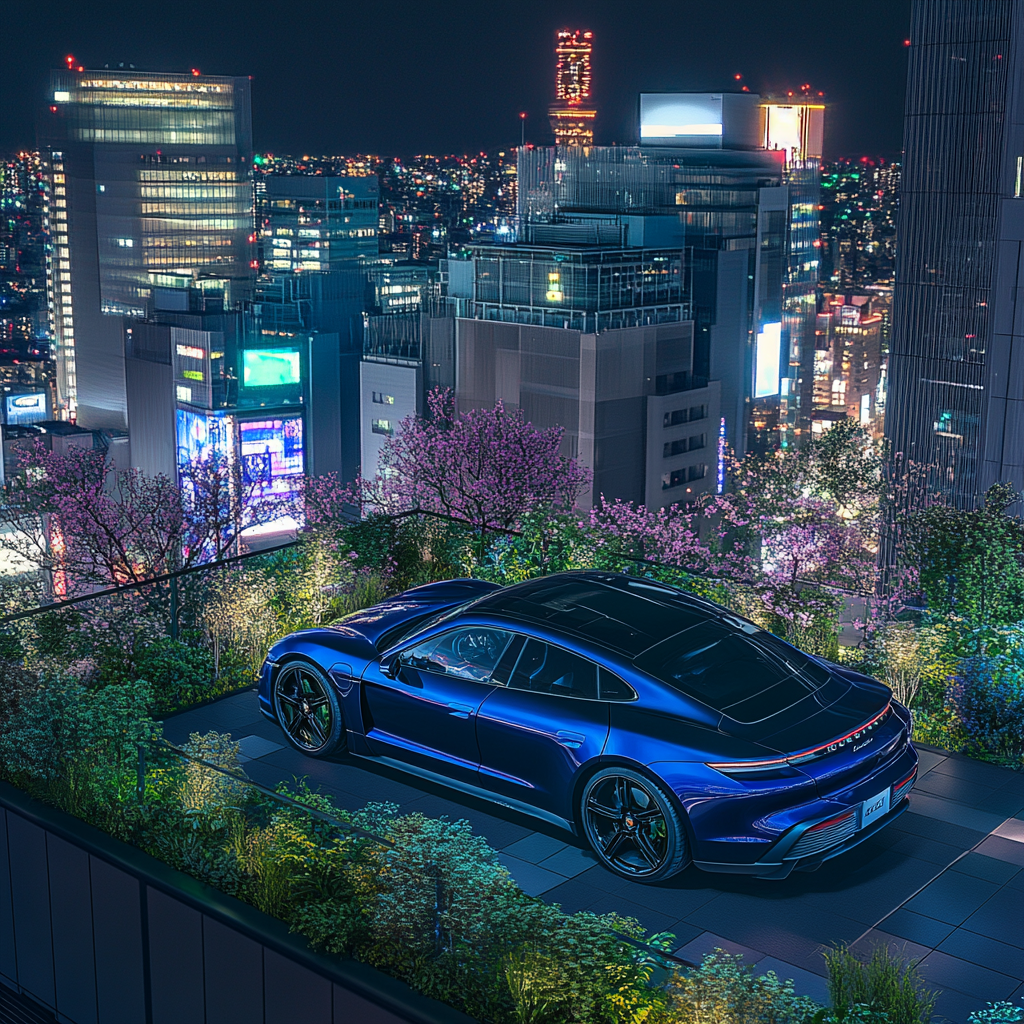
[
  {"x": 633, "y": 826},
  {"x": 307, "y": 709}
]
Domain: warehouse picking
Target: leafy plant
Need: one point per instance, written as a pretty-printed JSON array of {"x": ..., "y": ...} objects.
[
  {"x": 724, "y": 990},
  {"x": 886, "y": 982},
  {"x": 997, "y": 1013}
]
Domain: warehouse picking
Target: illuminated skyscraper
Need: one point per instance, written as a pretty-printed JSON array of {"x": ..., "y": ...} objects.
[
  {"x": 956, "y": 358},
  {"x": 572, "y": 114},
  {"x": 150, "y": 190}
]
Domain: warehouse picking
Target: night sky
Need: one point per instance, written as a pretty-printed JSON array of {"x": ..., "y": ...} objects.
[{"x": 398, "y": 78}]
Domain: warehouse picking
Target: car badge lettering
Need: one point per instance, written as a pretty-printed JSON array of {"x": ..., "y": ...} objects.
[{"x": 861, "y": 746}]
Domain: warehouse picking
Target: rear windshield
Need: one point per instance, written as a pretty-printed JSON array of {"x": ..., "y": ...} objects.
[{"x": 748, "y": 678}]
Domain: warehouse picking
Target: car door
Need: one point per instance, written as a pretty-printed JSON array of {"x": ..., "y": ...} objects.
[
  {"x": 537, "y": 730},
  {"x": 426, "y": 715}
]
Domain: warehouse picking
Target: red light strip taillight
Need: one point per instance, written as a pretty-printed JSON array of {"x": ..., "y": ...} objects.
[
  {"x": 831, "y": 821},
  {"x": 903, "y": 782},
  {"x": 803, "y": 755}
]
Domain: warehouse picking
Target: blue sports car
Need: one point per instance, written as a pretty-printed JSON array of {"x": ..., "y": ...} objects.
[{"x": 660, "y": 727}]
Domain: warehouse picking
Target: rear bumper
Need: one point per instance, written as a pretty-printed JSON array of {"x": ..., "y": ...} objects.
[{"x": 777, "y": 865}]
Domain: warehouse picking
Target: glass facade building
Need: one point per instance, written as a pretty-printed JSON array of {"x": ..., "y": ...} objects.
[
  {"x": 956, "y": 362},
  {"x": 150, "y": 188},
  {"x": 317, "y": 222},
  {"x": 728, "y": 211}
]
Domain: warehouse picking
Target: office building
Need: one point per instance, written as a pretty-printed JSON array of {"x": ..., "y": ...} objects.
[
  {"x": 727, "y": 210},
  {"x": 316, "y": 222},
  {"x": 849, "y": 360},
  {"x": 956, "y": 362},
  {"x": 597, "y": 340},
  {"x": 794, "y": 129},
  {"x": 149, "y": 189},
  {"x": 572, "y": 114}
]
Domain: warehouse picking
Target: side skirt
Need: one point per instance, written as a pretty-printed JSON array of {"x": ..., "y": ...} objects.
[{"x": 470, "y": 790}]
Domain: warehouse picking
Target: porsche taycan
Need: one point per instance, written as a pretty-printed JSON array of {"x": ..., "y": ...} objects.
[{"x": 661, "y": 728}]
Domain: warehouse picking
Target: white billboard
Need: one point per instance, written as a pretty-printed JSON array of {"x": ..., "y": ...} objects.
[
  {"x": 767, "y": 354},
  {"x": 29, "y": 408},
  {"x": 683, "y": 116}
]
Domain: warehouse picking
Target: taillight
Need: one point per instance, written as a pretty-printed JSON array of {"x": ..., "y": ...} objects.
[{"x": 768, "y": 764}]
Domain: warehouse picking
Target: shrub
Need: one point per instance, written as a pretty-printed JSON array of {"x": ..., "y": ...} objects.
[
  {"x": 723, "y": 990},
  {"x": 886, "y": 983},
  {"x": 986, "y": 698}
]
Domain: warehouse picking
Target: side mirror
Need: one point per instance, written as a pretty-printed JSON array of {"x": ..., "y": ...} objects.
[{"x": 389, "y": 666}]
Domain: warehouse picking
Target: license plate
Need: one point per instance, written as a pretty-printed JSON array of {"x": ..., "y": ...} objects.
[{"x": 875, "y": 807}]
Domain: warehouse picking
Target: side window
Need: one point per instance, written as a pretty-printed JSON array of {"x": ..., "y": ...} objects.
[
  {"x": 468, "y": 653},
  {"x": 546, "y": 669},
  {"x": 614, "y": 688}
]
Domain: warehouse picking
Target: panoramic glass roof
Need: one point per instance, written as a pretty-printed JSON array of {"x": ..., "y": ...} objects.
[{"x": 629, "y": 615}]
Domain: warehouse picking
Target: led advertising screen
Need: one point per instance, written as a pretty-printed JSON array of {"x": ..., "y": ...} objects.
[
  {"x": 272, "y": 454},
  {"x": 270, "y": 367},
  {"x": 767, "y": 353},
  {"x": 26, "y": 408},
  {"x": 684, "y": 118},
  {"x": 200, "y": 435}
]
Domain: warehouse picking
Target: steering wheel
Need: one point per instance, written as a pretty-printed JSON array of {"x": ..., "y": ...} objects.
[{"x": 478, "y": 648}]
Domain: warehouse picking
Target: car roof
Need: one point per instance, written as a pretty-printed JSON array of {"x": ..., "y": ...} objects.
[{"x": 624, "y": 614}]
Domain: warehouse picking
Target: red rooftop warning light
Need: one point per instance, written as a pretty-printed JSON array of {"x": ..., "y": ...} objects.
[
  {"x": 195, "y": 71},
  {"x": 70, "y": 60}
]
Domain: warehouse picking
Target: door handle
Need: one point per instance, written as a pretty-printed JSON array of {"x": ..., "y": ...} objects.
[
  {"x": 460, "y": 710},
  {"x": 572, "y": 740}
]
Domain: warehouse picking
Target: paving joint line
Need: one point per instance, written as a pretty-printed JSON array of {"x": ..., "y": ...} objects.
[{"x": 917, "y": 892}]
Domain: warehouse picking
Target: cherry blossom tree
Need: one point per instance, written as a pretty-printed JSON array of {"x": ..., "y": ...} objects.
[
  {"x": 485, "y": 467},
  {"x": 88, "y": 525}
]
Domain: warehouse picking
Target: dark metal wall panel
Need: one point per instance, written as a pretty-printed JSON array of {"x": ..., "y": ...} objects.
[
  {"x": 234, "y": 976},
  {"x": 292, "y": 992},
  {"x": 176, "y": 961},
  {"x": 74, "y": 965},
  {"x": 117, "y": 933},
  {"x": 30, "y": 889},
  {"x": 352, "y": 1009},
  {"x": 8, "y": 959}
]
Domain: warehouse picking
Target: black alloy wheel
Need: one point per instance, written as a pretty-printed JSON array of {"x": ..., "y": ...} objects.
[
  {"x": 307, "y": 710},
  {"x": 633, "y": 826}
]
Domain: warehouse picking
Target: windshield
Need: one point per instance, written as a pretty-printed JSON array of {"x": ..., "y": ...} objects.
[{"x": 391, "y": 637}]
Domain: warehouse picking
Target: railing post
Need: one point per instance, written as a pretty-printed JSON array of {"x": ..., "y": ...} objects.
[
  {"x": 433, "y": 871},
  {"x": 174, "y": 607},
  {"x": 140, "y": 776}
]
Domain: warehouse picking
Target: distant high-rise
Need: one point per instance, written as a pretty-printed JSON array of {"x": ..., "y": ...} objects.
[
  {"x": 572, "y": 114},
  {"x": 150, "y": 190},
  {"x": 956, "y": 363}
]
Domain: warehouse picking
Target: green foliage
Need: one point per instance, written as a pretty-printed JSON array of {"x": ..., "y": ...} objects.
[
  {"x": 723, "y": 990},
  {"x": 971, "y": 563},
  {"x": 179, "y": 672},
  {"x": 997, "y": 1013},
  {"x": 80, "y": 743},
  {"x": 887, "y": 983}
]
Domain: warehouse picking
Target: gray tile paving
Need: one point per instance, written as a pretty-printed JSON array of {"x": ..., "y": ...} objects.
[
  {"x": 944, "y": 883},
  {"x": 707, "y": 942},
  {"x": 253, "y": 746}
]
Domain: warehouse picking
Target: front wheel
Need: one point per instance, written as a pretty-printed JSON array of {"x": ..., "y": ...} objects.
[
  {"x": 633, "y": 826},
  {"x": 308, "y": 711}
]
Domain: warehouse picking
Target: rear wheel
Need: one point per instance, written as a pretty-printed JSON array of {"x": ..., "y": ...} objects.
[
  {"x": 308, "y": 711},
  {"x": 633, "y": 826}
]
